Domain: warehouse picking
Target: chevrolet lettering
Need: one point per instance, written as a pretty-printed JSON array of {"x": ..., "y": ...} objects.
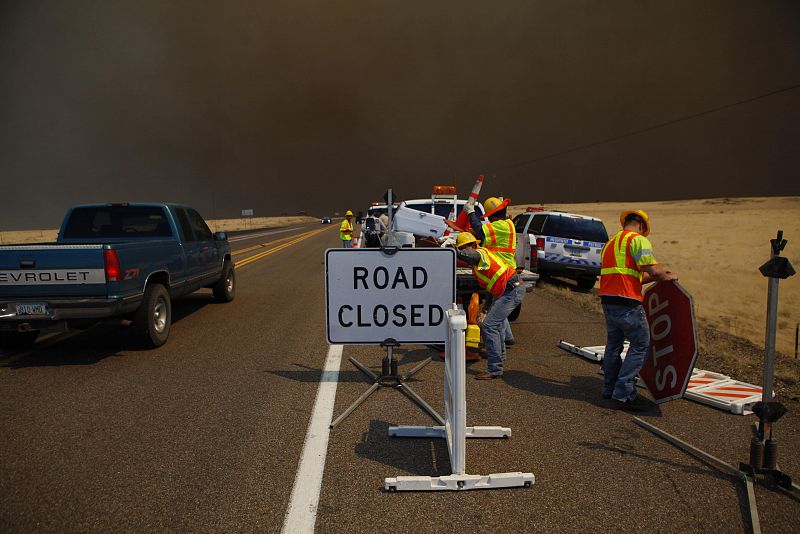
[{"x": 28, "y": 277}]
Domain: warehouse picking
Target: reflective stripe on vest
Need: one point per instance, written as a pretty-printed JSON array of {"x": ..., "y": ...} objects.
[
  {"x": 495, "y": 277},
  {"x": 619, "y": 275},
  {"x": 502, "y": 241},
  {"x": 345, "y": 226}
]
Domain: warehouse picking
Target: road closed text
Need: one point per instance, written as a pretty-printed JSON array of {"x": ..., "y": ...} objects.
[
  {"x": 399, "y": 315},
  {"x": 380, "y": 315},
  {"x": 373, "y": 296}
]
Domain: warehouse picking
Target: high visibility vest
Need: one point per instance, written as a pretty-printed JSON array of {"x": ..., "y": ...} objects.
[
  {"x": 501, "y": 238},
  {"x": 620, "y": 274},
  {"x": 494, "y": 277},
  {"x": 346, "y": 226}
]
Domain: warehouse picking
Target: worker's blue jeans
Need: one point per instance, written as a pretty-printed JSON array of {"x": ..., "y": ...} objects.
[
  {"x": 494, "y": 328},
  {"x": 619, "y": 377},
  {"x": 346, "y": 243}
]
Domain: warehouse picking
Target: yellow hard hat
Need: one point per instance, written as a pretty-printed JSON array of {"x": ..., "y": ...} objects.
[
  {"x": 640, "y": 213},
  {"x": 465, "y": 238},
  {"x": 494, "y": 204},
  {"x": 348, "y": 213}
]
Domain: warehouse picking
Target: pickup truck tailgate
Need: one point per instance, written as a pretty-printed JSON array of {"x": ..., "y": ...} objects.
[{"x": 30, "y": 271}]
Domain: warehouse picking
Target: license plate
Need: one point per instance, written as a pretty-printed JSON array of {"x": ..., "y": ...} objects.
[{"x": 31, "y": 309}]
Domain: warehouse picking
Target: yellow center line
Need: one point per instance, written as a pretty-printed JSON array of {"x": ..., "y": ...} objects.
[
  {"x": 261, "y": 245},
  {"x": 260, "y": 255}
]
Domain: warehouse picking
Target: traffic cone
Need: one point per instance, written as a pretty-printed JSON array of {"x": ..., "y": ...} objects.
[
  {"x": 462, "y": 222},
  {"x": 473, "y": 337}
]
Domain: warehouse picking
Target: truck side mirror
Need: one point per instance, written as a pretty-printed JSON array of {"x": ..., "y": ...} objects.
[{"x": 220, "y": 236}]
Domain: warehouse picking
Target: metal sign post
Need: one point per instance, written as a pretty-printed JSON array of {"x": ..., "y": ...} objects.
[
  {"x": 385, "y": 297},
  {"x": 763, "y": 447}
]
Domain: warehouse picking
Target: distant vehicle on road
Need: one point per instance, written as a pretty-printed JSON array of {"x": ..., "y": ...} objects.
[
  {"x": 325, "y": 220},
  {"x": 555, "y": 243},
  {"x": 112, "y": 260}
]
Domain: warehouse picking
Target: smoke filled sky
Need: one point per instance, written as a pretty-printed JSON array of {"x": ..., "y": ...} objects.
[{"x": 306, "y": 105}]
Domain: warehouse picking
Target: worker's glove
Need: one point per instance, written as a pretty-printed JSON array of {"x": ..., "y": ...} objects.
[
  {"x": 469, "y": 208},
  {"x": 447, "y": 241}
]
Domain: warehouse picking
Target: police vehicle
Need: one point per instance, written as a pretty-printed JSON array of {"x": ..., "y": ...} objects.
[{"x": 555, "y": 243}]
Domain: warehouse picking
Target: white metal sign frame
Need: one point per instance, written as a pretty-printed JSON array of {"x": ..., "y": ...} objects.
[{"x": 455, "y": 429}]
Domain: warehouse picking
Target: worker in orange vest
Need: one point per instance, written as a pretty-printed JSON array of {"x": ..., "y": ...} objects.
[
  {"x": 627, "y": 263},
  {"x": 505, "y": 286},
  {"x": 499, "y": 236}
]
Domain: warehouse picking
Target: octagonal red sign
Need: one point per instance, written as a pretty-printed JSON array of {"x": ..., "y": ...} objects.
[{"x": 673, "y": 341}]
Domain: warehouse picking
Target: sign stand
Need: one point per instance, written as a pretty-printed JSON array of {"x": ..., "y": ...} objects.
[
  {"x": 389, "y": 378},
  {"x": 763, "y": 448},
  {"x": 455, "y": 429}
]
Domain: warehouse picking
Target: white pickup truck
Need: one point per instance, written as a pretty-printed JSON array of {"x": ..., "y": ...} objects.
[{"x": 555, "y": 243}]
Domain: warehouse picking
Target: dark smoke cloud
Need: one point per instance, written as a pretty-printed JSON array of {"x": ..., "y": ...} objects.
[{"x": 303, "y": 105}]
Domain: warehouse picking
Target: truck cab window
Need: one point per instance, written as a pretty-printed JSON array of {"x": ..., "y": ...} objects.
[
  {"x": 186, "y": 228},
  {"x": 201, "y": 230}
]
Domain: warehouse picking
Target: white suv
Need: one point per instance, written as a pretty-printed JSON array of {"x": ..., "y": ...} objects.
[{"x": 563, "y": 244}]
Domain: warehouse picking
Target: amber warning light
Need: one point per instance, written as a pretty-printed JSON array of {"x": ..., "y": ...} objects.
[{"x": 444, "y": 190}]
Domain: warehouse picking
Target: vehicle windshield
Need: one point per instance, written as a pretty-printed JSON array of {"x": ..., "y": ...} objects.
[
  {"x": 117, "y": 222},
  {"x": 575, "y": 228}
]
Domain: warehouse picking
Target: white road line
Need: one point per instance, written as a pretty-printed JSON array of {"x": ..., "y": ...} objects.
[{"x": 302, "y": 512}]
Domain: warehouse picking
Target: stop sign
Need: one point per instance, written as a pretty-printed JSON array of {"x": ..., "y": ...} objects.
[{"x": 673, "y": 341}]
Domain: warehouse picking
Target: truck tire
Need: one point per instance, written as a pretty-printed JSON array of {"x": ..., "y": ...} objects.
[
  {"x": 225, "y": 288},
  {"x": 514, "y": 314},
  {"x": 587, "y": 283},
  {"x": 18, "y": 340},
  {"x": 152, "y": 321}
]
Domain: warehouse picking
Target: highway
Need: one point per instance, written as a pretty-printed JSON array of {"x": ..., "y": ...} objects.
[{"x": 207, "y": 432}]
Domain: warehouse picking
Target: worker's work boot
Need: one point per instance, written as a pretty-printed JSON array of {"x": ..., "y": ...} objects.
[{"x": 486, "y": 375}]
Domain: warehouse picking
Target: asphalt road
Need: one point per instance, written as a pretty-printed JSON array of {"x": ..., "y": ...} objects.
[{"x": 205, "y": 433}]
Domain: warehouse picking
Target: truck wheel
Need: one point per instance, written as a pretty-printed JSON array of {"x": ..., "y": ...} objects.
[
  {"x": 225, "y": 288},
  {"x": 587, "y": 283},
  {"x": 18, "y": 340},
  {"x": 514, "y": 314},
  {"x": 152, "y": 320}
]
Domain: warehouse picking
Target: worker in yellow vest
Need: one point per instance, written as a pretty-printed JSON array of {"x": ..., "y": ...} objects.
[
  {"x": 504, "y": 284},
  {"x": 346, "y": 230},
  {"x": 498, "y": 235},
  {"x": 627, "y": 263}
]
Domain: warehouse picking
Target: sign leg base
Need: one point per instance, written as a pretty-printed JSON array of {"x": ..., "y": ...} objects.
[
  {"x": 459, "y": 482},
  {"x": 389, "y": 378}
]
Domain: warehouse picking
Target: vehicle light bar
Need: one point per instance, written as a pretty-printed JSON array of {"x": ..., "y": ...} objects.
[{"x": 444, "y": 190}]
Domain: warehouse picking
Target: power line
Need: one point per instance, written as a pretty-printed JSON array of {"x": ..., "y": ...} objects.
[{"x": 644, "y": 130}]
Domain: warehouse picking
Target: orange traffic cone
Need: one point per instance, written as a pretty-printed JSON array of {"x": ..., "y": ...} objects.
[
  {"x": 462, "y": 222},
  {"x": 473, "y": 338}
]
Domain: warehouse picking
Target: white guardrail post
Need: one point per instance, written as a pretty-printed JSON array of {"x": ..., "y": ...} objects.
[{"x": 455, "y": 430}]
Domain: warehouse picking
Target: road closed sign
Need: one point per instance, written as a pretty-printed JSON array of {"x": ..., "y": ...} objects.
[
  {"x": 673, "y": 341},
  {"x": 372, "y": 296}
]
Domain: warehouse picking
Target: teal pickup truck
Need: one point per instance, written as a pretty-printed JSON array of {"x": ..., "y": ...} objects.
[{"x": 127, "y": 261}]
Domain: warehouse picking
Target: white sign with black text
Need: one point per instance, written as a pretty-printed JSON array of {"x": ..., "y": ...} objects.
[{"x": 372, "y": 296}]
